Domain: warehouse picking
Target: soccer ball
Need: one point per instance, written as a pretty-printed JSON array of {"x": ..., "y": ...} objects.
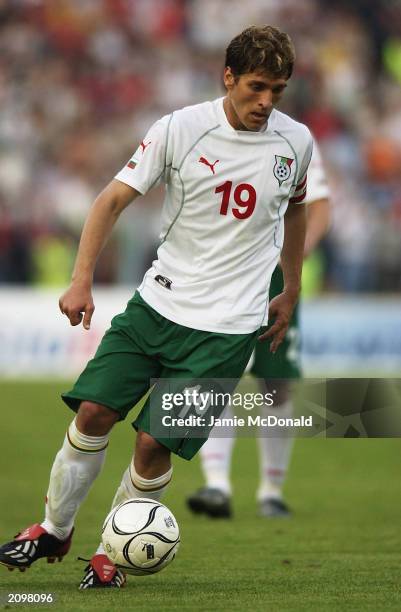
[{"x": 141, "y": 536}]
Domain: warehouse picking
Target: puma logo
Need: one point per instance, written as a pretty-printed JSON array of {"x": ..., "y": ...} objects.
[
  {"x": 203, "y": 160},
  {"x": 144, "y": 145}
]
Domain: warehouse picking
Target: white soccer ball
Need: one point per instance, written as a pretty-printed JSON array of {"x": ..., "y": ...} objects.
[{"x": 141, "y": 536}]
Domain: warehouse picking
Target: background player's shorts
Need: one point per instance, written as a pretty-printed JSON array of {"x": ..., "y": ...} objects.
[
  {"x": 285, "y": 363},
  {"x": 140, "y": 345}
]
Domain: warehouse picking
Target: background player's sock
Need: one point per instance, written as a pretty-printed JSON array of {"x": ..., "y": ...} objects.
[
  {"x": 274, "y": 456},
  {"x": 215, "y": 457},
  {"x": 134, "y": 486},
  {"x": 75, "y": 468}
]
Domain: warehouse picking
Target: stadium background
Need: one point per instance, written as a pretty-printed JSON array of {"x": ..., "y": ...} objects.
[{"x": 80, "y": 83}]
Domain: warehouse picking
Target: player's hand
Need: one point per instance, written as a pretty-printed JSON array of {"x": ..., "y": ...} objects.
[
  {"x": 280, "y": 311},
  {"x": 77, "y": 304}
]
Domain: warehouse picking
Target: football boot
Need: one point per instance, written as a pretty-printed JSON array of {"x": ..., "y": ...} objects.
[
  {"x": 101, "y": 573},
  {"x": 212, "y": 502},
  {"x": 32, "y": 544},
  {"x": 274, "y": 508}
]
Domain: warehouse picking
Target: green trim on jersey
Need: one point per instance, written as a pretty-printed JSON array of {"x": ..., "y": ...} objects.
[
  {"x": 180, "y": 209},
  {"x": 142, "y": 345},
  {"x": 278, "y": 223},
  {"x": 166, "y": 165},
  {"x": 182, "y": 182},
  {"x": 196, "y": 142},
  {"x": 285, "y": 363},
  {"x": 165, "y": 156}
]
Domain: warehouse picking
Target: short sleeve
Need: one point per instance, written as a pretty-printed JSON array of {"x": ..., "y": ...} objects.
[
  {"x": 298, "y": 195},
  {"x": 318, "y": 187},
  {"x": 151, "y": 161}
]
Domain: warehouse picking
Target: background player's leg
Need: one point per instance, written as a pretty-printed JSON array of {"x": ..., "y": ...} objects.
[
  {"x": 275, "y": 372},
  {"x": 76, "y": 466},
  {"x": 275, "y": 454},
  {"x": 215, "y": 455}
]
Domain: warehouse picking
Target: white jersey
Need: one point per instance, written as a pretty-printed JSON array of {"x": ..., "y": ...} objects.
[
  {"x": 318, "y": 188},
  {"x": 223, "y": 214}
]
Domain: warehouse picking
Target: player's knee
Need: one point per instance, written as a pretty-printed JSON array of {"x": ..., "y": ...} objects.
[{"x": 94, "y": 419}]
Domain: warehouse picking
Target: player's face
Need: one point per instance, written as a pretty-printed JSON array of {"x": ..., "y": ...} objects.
[{"x": 251, "y": 98}]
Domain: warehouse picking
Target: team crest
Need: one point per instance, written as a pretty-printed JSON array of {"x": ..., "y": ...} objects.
[{"x": 282, "y": 168}]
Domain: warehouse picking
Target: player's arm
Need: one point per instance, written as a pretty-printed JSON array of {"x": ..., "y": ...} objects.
[
  {"x": 292, "y": 254},
  {"x": 317, "y": 200},
  {"x": 318, "y": 219},
  {"x": 77, "y": 302}
]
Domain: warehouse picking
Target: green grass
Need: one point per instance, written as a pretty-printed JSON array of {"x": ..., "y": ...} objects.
[{"x": 340, "y": 551}]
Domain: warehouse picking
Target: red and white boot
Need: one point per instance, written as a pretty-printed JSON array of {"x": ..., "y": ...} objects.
[
  {"x": 102, "y": 573},
  {"x": 32, "y": 544}
]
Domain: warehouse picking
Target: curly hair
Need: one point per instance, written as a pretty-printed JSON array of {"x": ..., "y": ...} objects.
[{"x": 261, "y": 48}]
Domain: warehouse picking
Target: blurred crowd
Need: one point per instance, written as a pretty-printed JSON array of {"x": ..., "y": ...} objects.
[{"x": 82, "y": 80}]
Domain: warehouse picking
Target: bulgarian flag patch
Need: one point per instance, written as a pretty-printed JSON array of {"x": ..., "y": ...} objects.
[{"x": 282, "y": 168}]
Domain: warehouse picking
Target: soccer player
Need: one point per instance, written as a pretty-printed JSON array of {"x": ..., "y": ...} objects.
[
  {"x": 273, "y": 371},
  {"x": 235, "y": 172}
]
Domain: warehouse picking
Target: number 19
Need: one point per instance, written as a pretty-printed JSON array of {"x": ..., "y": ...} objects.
[{"x": 246, "y": 204}]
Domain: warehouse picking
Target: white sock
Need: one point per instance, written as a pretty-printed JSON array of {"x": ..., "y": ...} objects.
[
  {"x": 134, "y": 486},
  {"x": 274, "y": 456},
  {"x": 75, "y": 468},
  {"x": 215, "y": 457}
]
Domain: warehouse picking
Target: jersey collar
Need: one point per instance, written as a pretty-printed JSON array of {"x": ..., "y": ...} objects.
[{"x": 224, "y": 123}]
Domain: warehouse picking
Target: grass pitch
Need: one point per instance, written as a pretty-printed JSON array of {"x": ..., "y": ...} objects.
[{"x": 340, "y": 551}]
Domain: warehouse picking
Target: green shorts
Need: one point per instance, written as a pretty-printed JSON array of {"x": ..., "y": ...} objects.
[
  {"x": 142, "y": 345},
  {"x": 285, "y": 363}
]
